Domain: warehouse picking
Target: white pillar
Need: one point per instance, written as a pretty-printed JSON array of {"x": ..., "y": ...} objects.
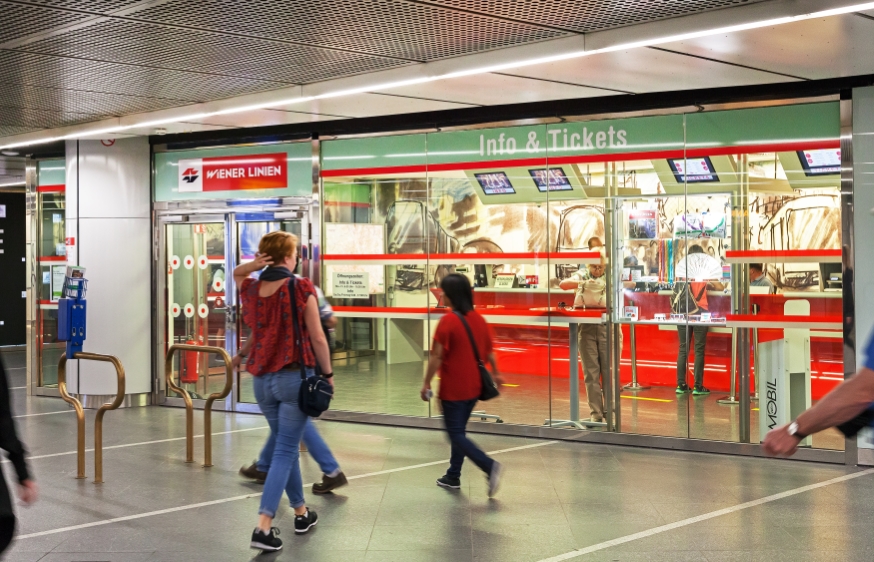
[
  {"x": 108, "y": 223},
  {"x": 863, "y": 232}
]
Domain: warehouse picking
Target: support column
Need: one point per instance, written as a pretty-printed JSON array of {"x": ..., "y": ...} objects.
[{"x": 108, "y": 233}]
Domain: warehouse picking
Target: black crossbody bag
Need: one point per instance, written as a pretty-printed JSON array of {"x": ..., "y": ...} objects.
[
  {"x": 489, "y": 388},
  {"x": 316, "y": 392}
]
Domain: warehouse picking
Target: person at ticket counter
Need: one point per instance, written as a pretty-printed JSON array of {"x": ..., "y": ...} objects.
[
  {"x": 590, "y": 285},
  {"x": 758, "y": 277},
  {"x": 699, "y": 333}
]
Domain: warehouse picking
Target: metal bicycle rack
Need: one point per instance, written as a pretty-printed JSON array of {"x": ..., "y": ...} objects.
[
  {"x": 207, "y": 408},
  {"x": 80, "y": 413}
]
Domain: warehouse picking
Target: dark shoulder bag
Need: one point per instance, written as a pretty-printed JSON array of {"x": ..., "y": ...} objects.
[
  {"x": 316, "y": 392},
  {"x": 682, "y": 299},
  {"x": 489, "y": 388}
]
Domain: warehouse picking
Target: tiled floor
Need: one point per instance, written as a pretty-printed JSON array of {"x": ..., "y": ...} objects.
[
  {"x": 558, "y": 498},
  {"x": 370, "y": 385}
]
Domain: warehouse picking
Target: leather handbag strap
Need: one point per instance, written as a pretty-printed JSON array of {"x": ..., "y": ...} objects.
[
  {"x": 298, "y": 334},
  {"x": 469, "y": 336}
]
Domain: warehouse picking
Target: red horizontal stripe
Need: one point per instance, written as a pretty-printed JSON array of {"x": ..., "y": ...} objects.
[
  {"x": 53, "y": 258},
  {"x": 835, "y": 319},
  {"x": 782, "y": 253},
  {"x": 774, "y": 147},
  {"x": 587, "y": 158},
  {"x": 51, "y": 188},
  {"x": 48, "y": 302},
  {"x": 485, "y": 311},
  {"x": 370, "y": 171},
  {"x": 462, "y": 257},
  {"x": 346, "y": 204}
]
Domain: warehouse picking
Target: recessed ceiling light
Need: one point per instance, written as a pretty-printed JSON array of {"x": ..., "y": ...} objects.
[{"x": 9, "y": 153}]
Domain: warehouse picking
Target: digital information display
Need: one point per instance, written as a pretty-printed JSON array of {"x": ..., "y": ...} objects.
[
  {"x": 693, "y": 170},
  {"x": 823, "y": 162},
  {"x": 495, "y": 183},
  {"x": 552, "y": 179}
]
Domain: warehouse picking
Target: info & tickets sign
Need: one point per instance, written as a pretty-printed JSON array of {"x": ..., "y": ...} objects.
[
  {"x": 280, "y": 170},
  {"x": 680, "y": 135}
]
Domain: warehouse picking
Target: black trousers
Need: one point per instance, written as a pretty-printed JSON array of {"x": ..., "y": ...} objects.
[
  {"x": 7, "y": 517},
  {"x": 699, "y": 333}
]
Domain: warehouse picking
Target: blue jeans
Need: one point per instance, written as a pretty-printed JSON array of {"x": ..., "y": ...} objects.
[
  {"x": 318, "y": 450},
  {"x": 456, "y": 413},
  {"x": 276, "y": 394}
]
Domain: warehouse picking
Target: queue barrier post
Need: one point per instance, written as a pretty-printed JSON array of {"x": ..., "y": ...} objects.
[
  {"x": 80, "y": 413},
  {"x": 189, "y": 406}
]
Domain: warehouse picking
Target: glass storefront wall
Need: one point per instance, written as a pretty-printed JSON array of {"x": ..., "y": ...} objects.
[
  {"x": 213, "y": 206},
  {"x": 51, "y": 261},
  {"x": 584, "y": 241}
]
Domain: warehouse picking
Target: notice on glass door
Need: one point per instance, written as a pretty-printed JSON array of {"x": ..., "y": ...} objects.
[{"x": 351, "y": 285}]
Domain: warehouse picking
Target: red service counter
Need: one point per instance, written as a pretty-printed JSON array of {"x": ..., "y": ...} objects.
[{"x": 529, "y": 349}]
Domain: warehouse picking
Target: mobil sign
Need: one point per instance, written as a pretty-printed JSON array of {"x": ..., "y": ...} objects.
[{"x": 234, "y": 173}]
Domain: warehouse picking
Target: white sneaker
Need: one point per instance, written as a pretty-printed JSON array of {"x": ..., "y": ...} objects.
[{"x": 495, "y": 478}]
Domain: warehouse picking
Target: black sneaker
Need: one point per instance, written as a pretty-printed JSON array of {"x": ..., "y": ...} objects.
[
  {"x": 449, "y": 482},
  {"x": 683, "y": 389},
  {"x": 329, "y": 484},
  {"x": 266, "y": 541},
  {"x": 303, "y": 523},
  {"x": 700, "y": 390},
  {"x": 252, "y": 473}
]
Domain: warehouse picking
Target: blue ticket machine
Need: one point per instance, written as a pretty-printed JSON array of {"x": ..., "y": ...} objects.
[{"x": 72, "y": 310}]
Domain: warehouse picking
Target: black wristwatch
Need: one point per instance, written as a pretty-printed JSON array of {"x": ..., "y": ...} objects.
[{"x": 327, "y": 375}]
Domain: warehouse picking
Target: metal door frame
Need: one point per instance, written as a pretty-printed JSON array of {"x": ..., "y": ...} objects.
[{"x": 206, "y": 212}]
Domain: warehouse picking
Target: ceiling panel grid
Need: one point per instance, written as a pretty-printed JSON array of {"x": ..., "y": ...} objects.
[
  {"x": 393, "y": 28},
  {"x": 591, "y": 15},
  {"x": 19, "y": 20},
  {"x": 145, "y": 44},
  {"x": 78, "y": 74},
  {"x": 77, "y": 101}
]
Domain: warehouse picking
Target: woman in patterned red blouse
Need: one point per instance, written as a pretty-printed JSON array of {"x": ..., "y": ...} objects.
[{"x": 275, "y": 362}]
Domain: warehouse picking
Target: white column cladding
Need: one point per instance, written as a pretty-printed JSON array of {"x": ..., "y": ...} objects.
[
  {"x": 108, "y": 216},
  {"x": 863, "y": 227},
  {"x": 863, "y": 232}
]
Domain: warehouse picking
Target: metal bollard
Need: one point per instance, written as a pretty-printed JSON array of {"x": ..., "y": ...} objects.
[
  {"x": 80, "y": 417},
  {"x": 80, "y": 413},
  {"x": 189, "y": 406},
  {"x": 633, "y": 386},
  {"x": 731, "y": 399}
]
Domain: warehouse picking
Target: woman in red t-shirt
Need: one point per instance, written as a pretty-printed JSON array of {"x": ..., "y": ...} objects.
[
  {"x": 275, "y": 363},
  {"x": 460, "y": 382}
]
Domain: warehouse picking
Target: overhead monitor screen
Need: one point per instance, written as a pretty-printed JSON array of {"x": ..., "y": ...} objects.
[
  {"x": 693, "y": 170},
  {"x": 495, "y": 183},
  {"x": 820, "y": 162},
  {"x": 550, "y": 179}
]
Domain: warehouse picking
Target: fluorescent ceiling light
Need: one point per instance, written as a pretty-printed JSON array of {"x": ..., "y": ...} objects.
[
  {"x": 462, "y": 73},
  {"x": 12, "y": 184}
]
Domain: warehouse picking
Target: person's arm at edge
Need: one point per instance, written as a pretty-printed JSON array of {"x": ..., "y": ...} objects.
[
  {"x": 9, "y": 441},
  {"x": 846, "y": 401},
  {"x": 572, "y": 283},
  {"x": 244, "y": 270},
  {"x": 317, "y": 335},
  {"x": 435, "y": 359},
  {"x": 496, "y": 375},
  {"x": 237, "y": 360}
]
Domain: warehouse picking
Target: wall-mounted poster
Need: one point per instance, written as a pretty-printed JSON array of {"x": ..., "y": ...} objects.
[{"x": 642, "y": 224}]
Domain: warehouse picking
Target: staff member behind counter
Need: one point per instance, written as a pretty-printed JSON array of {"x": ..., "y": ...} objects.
[
  {"x": 758, "y": 277},
  {"x": 590, "y": 286}
]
